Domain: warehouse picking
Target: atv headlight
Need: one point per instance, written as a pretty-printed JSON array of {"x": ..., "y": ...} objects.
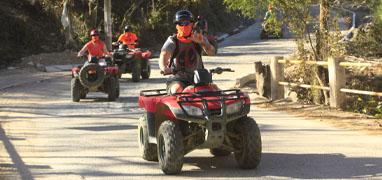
[
  {"x": 234, "y": 108},
  {"x": 193, "y": 111}
]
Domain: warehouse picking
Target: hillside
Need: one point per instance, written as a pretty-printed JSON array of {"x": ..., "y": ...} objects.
[{"x": 31, "y": 29}]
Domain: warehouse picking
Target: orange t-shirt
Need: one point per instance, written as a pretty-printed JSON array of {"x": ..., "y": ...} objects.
[
  {"x": 128, "y": 38},
  {"x": 95, "y": 48}
]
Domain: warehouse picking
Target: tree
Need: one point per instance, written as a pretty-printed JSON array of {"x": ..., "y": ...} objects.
[
  {"x": 108, "y": 23},
  {"x": 321, "y": 42}
]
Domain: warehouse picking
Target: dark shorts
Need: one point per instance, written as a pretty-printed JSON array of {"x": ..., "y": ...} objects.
[{"x": 183, "y": 80}]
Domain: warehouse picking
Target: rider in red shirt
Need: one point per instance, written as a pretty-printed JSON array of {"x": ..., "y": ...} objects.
[
  {"x": 128, "y": 38},
  {"x": 95, "y": 47}
]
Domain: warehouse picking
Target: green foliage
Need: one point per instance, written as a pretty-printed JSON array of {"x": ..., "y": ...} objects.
[
  {"x": 368, "y": 42},
  {"x": 378, "y": 11},
  {"x": 249, "y": 8},
  {"x": 273, "y": 24}
]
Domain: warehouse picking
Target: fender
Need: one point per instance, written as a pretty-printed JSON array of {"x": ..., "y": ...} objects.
[
  {"x": 75, "y": 71},
  {"x": 146, "y": 54}
]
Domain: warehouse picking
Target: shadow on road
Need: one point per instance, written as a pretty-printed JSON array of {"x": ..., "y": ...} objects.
[
  {"x": 18, "y": 163},
  {"x": 105, "y": 128},
  {"x": 332, "y": 166}
]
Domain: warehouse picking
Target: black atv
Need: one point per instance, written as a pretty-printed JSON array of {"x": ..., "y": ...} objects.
[
  {"x": 134, "y": 61},
  {"x": 97, "y": 75}
]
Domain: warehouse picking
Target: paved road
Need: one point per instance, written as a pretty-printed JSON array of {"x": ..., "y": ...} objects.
[{"x": 46, "y": 136}]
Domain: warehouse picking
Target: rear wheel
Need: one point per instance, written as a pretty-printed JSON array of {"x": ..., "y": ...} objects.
[
  {"x": 170, "y": 148},
  {"x": 149, "y": 151},
  {"x": 91, "y": 80},
  {"x": 76, "y": 89},
  {"x": 136, "y": 71},
  {"x": 248, "y": 155}
]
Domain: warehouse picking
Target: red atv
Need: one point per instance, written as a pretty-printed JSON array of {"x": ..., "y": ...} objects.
[
  {"x": 134, "y": 61},
  {"x": 97, "y": 75},
  {"x": 201, "y": 117}
]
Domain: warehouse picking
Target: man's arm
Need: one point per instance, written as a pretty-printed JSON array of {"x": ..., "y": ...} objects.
[
  {"x": 82, "y": 51},
  {"x": 207, "y": 47},
  {"x": 164, "y": 61},
  {"x": 203, "y": 41},
  {"x": 105, "y": 51}
]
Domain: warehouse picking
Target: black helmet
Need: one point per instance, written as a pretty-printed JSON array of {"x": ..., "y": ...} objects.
[
  {"x": 183, "y": 15},
  {"x": 127, "y": 28}
]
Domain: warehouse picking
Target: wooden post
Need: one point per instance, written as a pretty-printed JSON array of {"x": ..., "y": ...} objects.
[
  {"x": 337, "y": 81},
  {"x": 108, "y": 23},
  {"x": 277, "y": 75},
  {"x": 260, "y": 77}
]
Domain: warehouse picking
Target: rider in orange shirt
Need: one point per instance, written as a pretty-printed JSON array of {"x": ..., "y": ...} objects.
[
  {"x": 95, "y": 48},
  {"x": 128, "y": 38}
]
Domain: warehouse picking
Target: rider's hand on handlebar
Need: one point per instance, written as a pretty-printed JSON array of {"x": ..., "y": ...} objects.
[{"x": 166, "y": 71}]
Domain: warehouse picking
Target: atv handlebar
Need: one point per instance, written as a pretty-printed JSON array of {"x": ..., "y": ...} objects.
[
  {"x": 217, "y": 70},
  {"x": 165, "y": 74},
  {"x": 220, "y": 70}
]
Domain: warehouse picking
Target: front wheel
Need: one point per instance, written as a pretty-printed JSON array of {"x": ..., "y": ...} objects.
[
  {"x": 117, "y": 89},
  {"x": 76, "y": 89},
  {"x": 112, "y": 89},
  {"x": 170, "y": 148},
  {"x": 146, "y": 74},
  {"x": 136, "y": 71},
  {"x": 248, "y": 155}
]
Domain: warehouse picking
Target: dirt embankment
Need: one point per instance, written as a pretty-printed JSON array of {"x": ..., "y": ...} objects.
[
  {"x": 32, "y": 29},
  {"x": 26, "y": 30}
]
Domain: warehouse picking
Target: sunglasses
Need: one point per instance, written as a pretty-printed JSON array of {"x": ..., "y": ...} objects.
[{"x": 184, "y": 23}]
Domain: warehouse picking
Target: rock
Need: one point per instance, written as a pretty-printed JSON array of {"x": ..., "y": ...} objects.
[
  {"x": 292, "y": 96},
  {"x": 11, "y": 68},
  {"x": 40, "y": 67},
  {"x": 45, "y": 48},
  {"x": 367, "y": 19},
  {"x": 241, "y": 82},
  {"x": 31, "y": 63}
]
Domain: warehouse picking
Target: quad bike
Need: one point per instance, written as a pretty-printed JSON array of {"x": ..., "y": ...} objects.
[
  {"x": 98, "y": 75},
  {"x": 200, "y": 117},
  {"x": 134, "y": 61},
  {"x": 271, "y": 30}
]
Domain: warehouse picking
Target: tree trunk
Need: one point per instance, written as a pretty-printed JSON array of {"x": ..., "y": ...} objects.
[
  {"x": 108, "y": 23},
  {"x": 322, "y": 46},
  {"x": 93, "y": 13},
  {"x": 324, "y": 29},
  {"x": 66, "y": 24}
]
